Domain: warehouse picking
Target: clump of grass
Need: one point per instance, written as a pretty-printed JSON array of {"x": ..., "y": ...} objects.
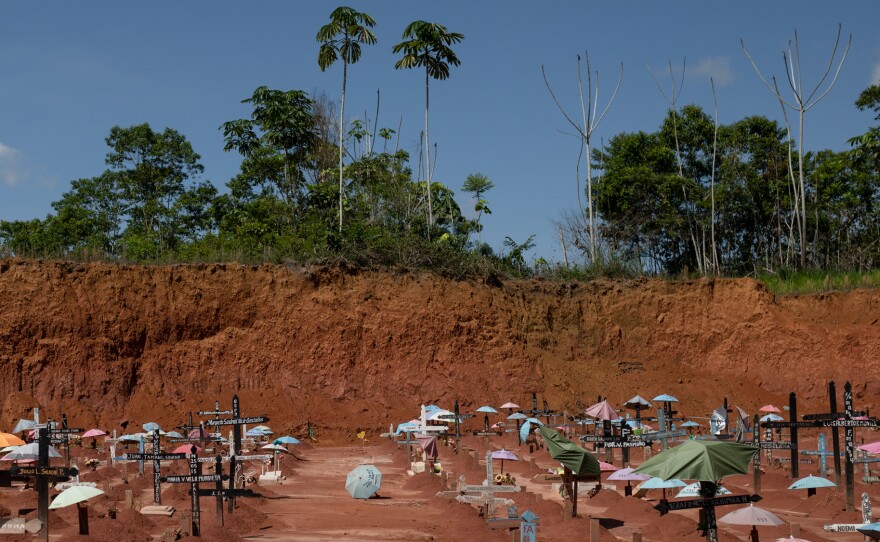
[{"x": 788, "y": 282}]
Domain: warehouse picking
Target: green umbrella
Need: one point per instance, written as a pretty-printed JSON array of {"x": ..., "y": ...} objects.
[
  {"x": 702, "y": 460},
  {"x": 569, "y": 454}
]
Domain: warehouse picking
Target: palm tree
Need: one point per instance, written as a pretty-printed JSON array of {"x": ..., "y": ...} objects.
[
  {"x": 428, "y": 45},
  {"x": 342, "y": 37}
]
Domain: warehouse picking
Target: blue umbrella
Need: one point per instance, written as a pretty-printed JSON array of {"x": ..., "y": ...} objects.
[
  {"x": 525, "y": 430},
  {"x": 363, "y": 482},
  {"x": 811, "y": 482},
  {"x": 173, "y": 434},
  {"x": 487, "y": 409},
  {"x": 771, "y": 418},
  {"x": 870, "y": 529},
  {"x": 149, "y": 427},
  {"x": 666, "y": 398},
  {"x": 286, "y": 440},
  {"x": 690, "y": 424},
  {"x": 657, "y": 483},
  {"x": 535, "y": 421},
  {"x": 517, "y": 416},
  {"x": 256, "y": 432}
]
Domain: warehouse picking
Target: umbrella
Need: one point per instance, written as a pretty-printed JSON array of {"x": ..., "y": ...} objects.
[
  {"x": 186, "y": 449},
  {"x": 149, "y": 427},
  {"x": 487, "y": 409},
  {"x": 637, "y": 402},
  {"x": 363, "y": 482},
  {"x": 503, "y": 454},
  {"x": 871, "y": 447},
  {"x": 256, "y": 432},
  {"x": 286, "y": 440},
  {"x": 173, "y": 434},
  {"x": 24, "y": 425},
  {"x": 264, "y": 429},
  {"x": 94, "y": 433},
  {"x": 535, "y": 421},
  {"x": 659, "y": 483},
  {"x": 428, "y": 444},
  {"x": 769, "y": 408},
  {"x": 28, "y": 452},
  {"x": 751, "y": 515},
  {"x": 690, "y": 424},
  {"x": 74, "y": 495},
  {"x": 276, "y": 447},
  {"x": 771, "y": 418},
  {"x": 435, "y": 415},
  {"x": 693, "y": 490},
  {"x": 525, "y": 430},
  {"x": 700, "y": 460},
  {"x": 870, "y": 529},
  {"x": 131, "y": 438},
  {"x": 510, "y": 405},
  {"x": 517, "y": 416},
  {"x": 628, "y": 475},
  {"x": 8, "y": 439},
  {"x": 606, "y": 467},
  {"x": 811, "y": 482},
  {"x": 602, "y": 411},
  {"x": 569, "y": 454},
  {"x": 665, "y": 398}
]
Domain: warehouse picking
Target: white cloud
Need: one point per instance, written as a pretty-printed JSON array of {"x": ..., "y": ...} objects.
[
  {"x": 716, "y": 67},
  {"x": 11, "y": 171}
]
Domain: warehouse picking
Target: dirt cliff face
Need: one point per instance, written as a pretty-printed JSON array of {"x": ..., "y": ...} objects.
[{"x": 107, "y": 343}]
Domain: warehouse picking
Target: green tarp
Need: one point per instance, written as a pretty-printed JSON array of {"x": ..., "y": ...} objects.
[
  {"x": 580, "y": 461},
  {"x": 703, "y": 460}
]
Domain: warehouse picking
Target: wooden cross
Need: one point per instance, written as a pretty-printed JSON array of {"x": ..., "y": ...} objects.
[
  {"x": 194, "y": 479},
  {"x": 484, "y": 493},
  {"x": 157, "y": 457}
]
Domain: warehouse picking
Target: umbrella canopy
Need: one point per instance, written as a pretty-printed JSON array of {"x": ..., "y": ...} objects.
[
  {"x": 94, "y": 433},
  {"x": 524, "y": 430},
  {"x": 131, "y": 438},
  {"x": 602, "y": 411},
  {"x": 504, "y": 454},
  {"x": 751, "y": 515},
  {"x": 74, "y": 495},
  {"x": 811, "y": 482},
  {"x": 870, "y": 529},
  {"x": 659, "y": 483},
  {"x": 627, "y": 474},
  {"x": 535, "y": 421},
  {"x": 149, "y": 427},
  {"x": 510, "y": 405},
  {"x": 769, "y": 408},
  {"x": 8, "y": 439},
  {"x": 665, "y": 398},
  {"x": 771, "y": 418},
  {"x": 792, "y": 539},
  {"x": 487, "y": 409},
  {"x": 186, "y": 449},
  {"x": 29, "y": 452},
  {"x": 693, "y": 490},
  {"x": 517, "y": 416},
  {"x": 569, "y": 454},
  {"x": 871, "y": 447},
  {"x": 363, "y": 481},
  {"x": 637, "y": 402},
  {"x": 286, "y": 440},
  {"x": 256, "y": 432},
  {"x": 428, "y": 444},
  {"x": 24, "y": 425},
  {"x": 690, "y": 424},
  {"x": 276, "y": 447},
  {"x": 700, "y": 460},
  {"x": 435, "y": 415},
  {"x": 171, "y": 434},
  {"x": 606, "y": 467}
]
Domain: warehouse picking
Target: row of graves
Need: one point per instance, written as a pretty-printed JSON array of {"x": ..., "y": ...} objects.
[
  {"x": 608, "y": 435},
  {"x": 220, "y": 477}
]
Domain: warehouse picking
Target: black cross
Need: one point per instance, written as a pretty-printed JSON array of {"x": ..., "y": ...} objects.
[
  {"x": 157, "y": 458},
  {"x": 194, "y": 479}
]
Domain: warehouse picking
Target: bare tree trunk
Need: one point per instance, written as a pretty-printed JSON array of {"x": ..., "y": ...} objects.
[
  {"x": 342, "y": 129},
  {"x": 428, "y": 160}
]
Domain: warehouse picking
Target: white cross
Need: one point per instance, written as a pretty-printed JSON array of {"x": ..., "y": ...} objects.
[{"x": 424, "y": 427}]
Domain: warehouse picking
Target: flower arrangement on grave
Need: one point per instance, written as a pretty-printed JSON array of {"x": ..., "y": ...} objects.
[
  {"x": 505, "y": 479},
  {"x": 92, "y": 464}
]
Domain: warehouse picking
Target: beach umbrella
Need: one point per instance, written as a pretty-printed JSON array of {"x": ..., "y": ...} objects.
[
  {"x": 8, "y": 439},
  {"x": 535, "y": 421},
  {"x": 569, "y": 454},
  {"x": 286, "y": 440},
  {"x": 264, "y": 429},
  {"x": 173, "y": 434},
  {"x": 606, "y": 467},
  {"x": 363, "y": 481},
  {"x": 73, "y": 495},
  {"x": 503, "y": 454},
  {"x": 702, "y": 460},
  {"x": 428, "y": 444},
  {"x": 273, "y": 446},
  {"x": 659, "y": 483},
  {"x": 517, "y": 416},
  {"x": 131, "y": 438},
  {"x": 602, "y": 411},
  {"x": 810, "y": 483},
  {"x": 435, "y": 414},
  {"x": 771, "y": 418},
  {"x": 510, "y": 405},
  {"x": 690, "y": 424},
  {"x": 693, "y": 490},
  {"x": 186, "y": 449},
  {"x": 754, "y": 516},
  {"x": 29, "y": 452},
  {"x": 870, "y": 529},
  {"x": 628, "y": 475},
  {"x": 24, "y": 425},
  {"x": 487, "y": 409},
  {"x": 94, "y": 433},
  {"x": 665, "y": 398},
  {"x": 769, "y": 408},
  {"x": 149, "y": 427},
  {"x": 871, "y": 447},
  {"x": 524, "y": 430},
  {"x": 255, "y": 433},
  {"x": 637, "y": 402}
]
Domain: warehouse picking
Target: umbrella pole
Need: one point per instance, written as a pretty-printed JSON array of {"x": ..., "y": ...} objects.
[
  {"x": 83, "y": 519},
  {"x": 574, "y": 499},
  {"x": 753, "y": 536}
]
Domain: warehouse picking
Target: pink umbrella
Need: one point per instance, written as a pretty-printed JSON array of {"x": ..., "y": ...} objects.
[
  {"x": 606, "y": 467},
  {"x": 428, "y": 444},
  {"x": 871, "y": 447},
  {"x": 602, "y": 411},
  {"x": 510, "y": 405},
  {"x": 94, "y": 433},
  {"x": 769, "y": 408},
  {"x": 503, "y": 454},
  {"x": 186, "y": 449},
  {"x": 627, "y": 474}
]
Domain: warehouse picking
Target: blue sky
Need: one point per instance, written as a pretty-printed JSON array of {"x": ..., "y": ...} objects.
[{"x": 69, "y": 71}]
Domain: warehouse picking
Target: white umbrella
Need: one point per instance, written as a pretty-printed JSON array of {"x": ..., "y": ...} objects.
[
  {"x": 24, "y": 425},
  {"x": 273, "y": 447},
  {"x": 29, "y": 452},
  {"x": 74, "y": 495},
  {"x": 693, "y": 490},
  {"x": 752, "y": 515}
]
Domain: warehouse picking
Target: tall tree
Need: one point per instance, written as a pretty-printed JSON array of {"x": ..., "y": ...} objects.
[
  {"x": 478, "y": 184},
  {"x": 803, "y": 100},
  {"x": 428, "y": 45},
  {"x": 342, "y": 37}
]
